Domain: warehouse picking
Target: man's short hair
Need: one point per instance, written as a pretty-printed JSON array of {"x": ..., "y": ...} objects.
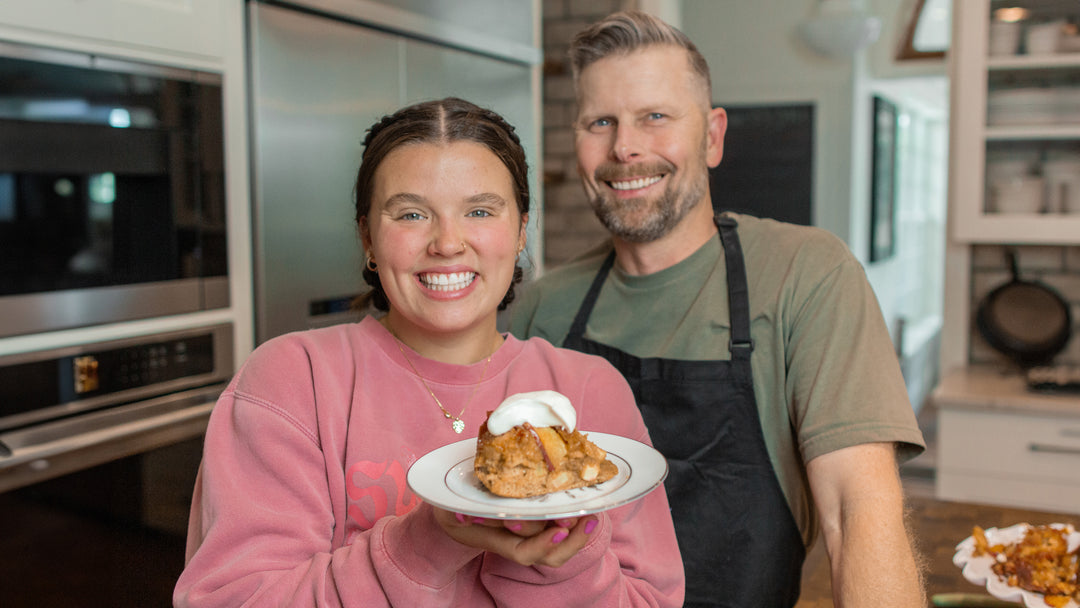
[{"x": 627, "y": 31}]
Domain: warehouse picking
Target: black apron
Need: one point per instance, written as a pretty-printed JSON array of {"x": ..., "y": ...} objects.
[{"x": 739, "y": 542}]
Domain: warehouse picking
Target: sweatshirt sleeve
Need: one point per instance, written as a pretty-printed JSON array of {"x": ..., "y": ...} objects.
[
  {"x": 632, "y": 559},
  {"x": 262, "y": 524}
]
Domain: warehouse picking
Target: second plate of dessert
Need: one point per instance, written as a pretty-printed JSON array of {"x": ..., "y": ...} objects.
[{"x": 444, "y": 478}]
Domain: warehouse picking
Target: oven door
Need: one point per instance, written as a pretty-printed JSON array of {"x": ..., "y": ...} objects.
[
  {"x": 37, "y": 453},
  {"x": 75, "y": 407}
]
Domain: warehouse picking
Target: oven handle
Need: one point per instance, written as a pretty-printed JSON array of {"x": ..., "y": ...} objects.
[{"x": 52, "y": 449}]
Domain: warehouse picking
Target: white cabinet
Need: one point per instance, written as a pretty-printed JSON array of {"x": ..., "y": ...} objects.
[
  {"x": 191, "y": 27},
  {"x": 1015, "y": 169},
  {"x": 999, "y": 443}
]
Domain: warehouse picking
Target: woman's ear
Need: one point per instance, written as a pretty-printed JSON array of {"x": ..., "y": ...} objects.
[{"x": 523, "y": 234}]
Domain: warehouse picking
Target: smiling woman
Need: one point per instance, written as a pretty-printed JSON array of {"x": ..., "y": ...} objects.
[{"x": 303, "y": 491}]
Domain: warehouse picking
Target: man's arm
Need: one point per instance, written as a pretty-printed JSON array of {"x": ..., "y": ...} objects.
[{"x": 860, "y": 503}]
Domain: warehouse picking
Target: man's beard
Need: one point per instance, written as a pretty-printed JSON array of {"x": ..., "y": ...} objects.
[{"x": 640, "y": 220}]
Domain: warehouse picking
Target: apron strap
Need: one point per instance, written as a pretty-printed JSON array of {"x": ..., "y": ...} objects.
[
  {"x": 741, "y": 344},
  {"x": 577, "y": 329}
]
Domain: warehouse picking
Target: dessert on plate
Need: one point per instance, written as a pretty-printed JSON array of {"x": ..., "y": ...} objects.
[{"x": 529, "y": 446}]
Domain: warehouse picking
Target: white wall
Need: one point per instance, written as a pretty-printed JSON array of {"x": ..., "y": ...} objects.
[{"x": 756, "y": 56}]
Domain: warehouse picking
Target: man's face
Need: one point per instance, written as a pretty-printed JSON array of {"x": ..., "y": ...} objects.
[{"x": 645, "y": 139}]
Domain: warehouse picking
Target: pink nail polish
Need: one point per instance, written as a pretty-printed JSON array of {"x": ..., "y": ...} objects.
[
  {"x": 590, "y": 526},
  {"x": 515, "y": 527},
  {"x": 459, "y": 517},
  {"x": 559, "y": 536},
  {"x": 478, "y": 520}
]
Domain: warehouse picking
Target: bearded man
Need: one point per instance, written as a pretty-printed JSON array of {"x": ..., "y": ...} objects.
[{"x": 756, "y": 349}]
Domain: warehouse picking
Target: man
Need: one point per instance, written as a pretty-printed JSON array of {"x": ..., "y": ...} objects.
[{"x": 756, "y": 349}]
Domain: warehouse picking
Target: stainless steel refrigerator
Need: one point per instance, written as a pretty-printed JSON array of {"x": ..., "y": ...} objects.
[{"x": 321, "y": 71}]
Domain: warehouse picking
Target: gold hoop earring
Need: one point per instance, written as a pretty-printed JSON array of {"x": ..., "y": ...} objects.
[{"x": 371, "y": 264}]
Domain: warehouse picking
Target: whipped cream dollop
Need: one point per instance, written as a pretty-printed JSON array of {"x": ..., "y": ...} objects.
[{"x": 538, "y": 408}]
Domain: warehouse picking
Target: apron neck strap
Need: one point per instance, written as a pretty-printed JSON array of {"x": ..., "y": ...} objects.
[
  {"x": 738, "y": 289},
  {"x": 577, "y": 329}
]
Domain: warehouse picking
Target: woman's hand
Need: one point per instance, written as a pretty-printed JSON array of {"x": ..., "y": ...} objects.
[{"x": 529, "y": 543}]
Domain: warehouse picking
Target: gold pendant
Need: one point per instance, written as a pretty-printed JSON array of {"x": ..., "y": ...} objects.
[{"x": 458, "y": 426}]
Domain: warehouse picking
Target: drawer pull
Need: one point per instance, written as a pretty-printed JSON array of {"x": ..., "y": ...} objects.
[{"x": 1053, "y": 449}]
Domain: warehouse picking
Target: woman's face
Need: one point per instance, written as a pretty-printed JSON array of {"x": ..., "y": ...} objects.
[{"x": 444, "y": 230}]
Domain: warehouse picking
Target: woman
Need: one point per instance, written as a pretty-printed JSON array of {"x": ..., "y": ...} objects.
[{"x": 301, "y": 498}]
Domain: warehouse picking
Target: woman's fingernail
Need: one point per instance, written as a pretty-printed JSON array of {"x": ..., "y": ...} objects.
[
  {"x": 559, "y": 536},
  {"x": 564, "y": 523},
  {"x": 515, "y": 527},
  {"x": 459, "y": 517},
  {"x": 478, "y": 520},
  {"x": 590, "y": 526}
]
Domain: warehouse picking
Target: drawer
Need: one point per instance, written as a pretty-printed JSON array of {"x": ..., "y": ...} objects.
[{"x": 1003, "y": 445}]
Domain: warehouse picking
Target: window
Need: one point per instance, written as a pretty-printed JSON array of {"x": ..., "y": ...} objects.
[{"x": 929, "y": 30}]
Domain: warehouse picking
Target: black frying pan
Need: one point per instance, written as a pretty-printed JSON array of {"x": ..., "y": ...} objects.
[{"x": 1027, "y": 321}]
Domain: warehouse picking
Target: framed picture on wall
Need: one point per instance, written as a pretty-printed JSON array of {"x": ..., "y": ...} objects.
[{"x": 883, "y": 182}]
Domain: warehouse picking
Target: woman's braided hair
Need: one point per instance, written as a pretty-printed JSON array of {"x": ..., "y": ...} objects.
[{"x": 440, "y": 121}]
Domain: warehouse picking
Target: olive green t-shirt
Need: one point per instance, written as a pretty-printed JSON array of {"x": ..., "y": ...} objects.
[{"x": 825, "y": 373}]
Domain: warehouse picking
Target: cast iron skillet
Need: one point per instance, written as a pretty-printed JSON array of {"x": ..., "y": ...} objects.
[{"x": 1027, "y": 321}]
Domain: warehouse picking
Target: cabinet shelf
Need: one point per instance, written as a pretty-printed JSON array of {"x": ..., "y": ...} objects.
[
  {"x": 1033, "y": 62},
  {"x": 1018, "y": 228},
  {"x": 1030, "y": 132}
]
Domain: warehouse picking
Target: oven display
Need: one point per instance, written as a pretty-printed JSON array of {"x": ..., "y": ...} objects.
[{"x": 86, "y": 374}]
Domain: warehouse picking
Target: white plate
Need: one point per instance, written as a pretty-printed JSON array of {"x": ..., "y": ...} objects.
[
  {"x": 977, "y": 569},
  {"x": 444, "y": 477}
]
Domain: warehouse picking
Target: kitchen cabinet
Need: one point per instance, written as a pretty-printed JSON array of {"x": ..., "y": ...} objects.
[
  {"x": 1000, "y": 443},
  {"x": 194, "y": 28},
  {"x": 1015, "y": 125}
]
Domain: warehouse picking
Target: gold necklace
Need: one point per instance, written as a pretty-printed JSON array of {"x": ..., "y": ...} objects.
[{"x": 458, "y": 424}]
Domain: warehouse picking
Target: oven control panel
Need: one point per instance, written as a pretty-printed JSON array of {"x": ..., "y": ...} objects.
[
  {"x": 90, "y": 376},
  {"x": 141, "y": 365}
]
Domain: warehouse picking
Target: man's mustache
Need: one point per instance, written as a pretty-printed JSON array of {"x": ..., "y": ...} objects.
[{"x": 615, "y": 172}]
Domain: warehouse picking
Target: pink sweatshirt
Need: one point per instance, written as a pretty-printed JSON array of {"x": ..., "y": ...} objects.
[{"x": 301, "y": 499}]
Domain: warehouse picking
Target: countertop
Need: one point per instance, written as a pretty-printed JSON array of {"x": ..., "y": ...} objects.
[{"x": 996, "y": 388}]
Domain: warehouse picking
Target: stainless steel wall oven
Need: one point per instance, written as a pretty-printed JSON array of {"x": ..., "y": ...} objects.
[
  {"x": 112, "y": 193},
  {"x": 70, "y": 408}
]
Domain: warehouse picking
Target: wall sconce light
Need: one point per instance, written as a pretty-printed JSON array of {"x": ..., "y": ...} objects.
[{"x": 839, "y": 29}]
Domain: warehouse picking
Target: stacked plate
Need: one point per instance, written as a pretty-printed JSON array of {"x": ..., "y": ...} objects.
[{"x": 1033, "y": 106}]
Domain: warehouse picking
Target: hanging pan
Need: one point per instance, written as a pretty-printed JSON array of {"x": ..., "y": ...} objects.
[{"x": 1025, "y": 320}]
